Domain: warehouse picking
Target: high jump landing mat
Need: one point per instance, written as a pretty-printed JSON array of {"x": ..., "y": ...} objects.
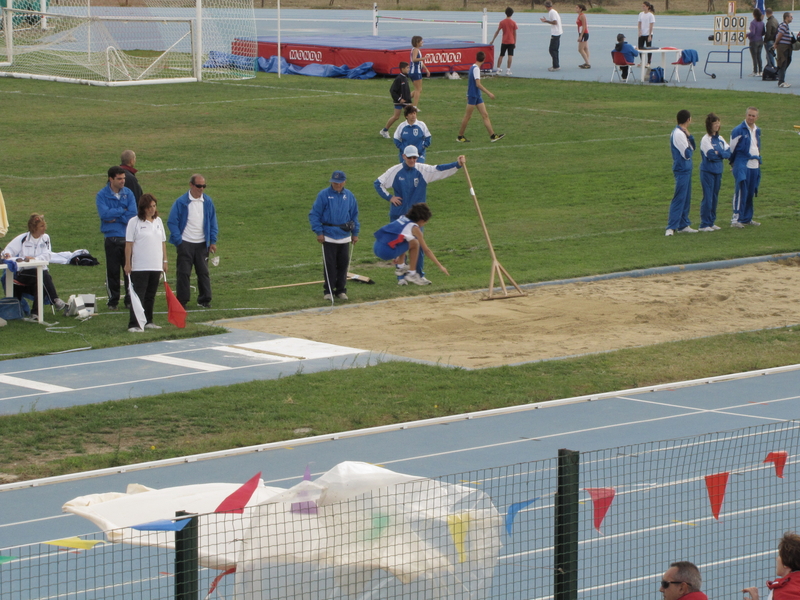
[{"x": 385, "y": 53}]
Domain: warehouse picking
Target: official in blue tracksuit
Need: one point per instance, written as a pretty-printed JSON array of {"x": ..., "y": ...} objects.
[
  {"x": 334, "y": 218},
  {"x": 682, "y": 145},
  {"x": 412, "y": 133},
  {"x": 746, "y": 163},
  {"x": 714, "y": 150},
  {"x": 116, "y": 206}
]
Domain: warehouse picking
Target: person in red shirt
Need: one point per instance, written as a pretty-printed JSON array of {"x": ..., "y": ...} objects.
[
  {"x": 583, "y": 36},
  {"x": 508, "y": 42},
  {"x": 787, "y": 568},
  {"x": 682, "y": 581}
]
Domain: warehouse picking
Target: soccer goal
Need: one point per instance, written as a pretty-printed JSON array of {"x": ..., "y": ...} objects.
[{"x": 157, "y": 41}]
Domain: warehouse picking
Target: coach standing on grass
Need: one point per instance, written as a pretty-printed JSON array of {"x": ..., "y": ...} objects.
[
  {"x": 334, "y": 218},
  {"x": 115, "y": 206},
  {"x": 193, "y": 231},
  {"x": 746, "y": 166},
  {"x": 128, "y": 162},
  {"x": 682, "y": 144}
]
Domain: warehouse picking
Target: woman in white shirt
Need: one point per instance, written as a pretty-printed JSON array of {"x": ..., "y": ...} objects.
[
  {"x": 647, "y": 21},
  {"x": 34, "y": 245},
  {"x": 145, "y": 258}
]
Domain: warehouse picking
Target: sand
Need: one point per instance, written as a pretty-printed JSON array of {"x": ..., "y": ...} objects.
[{"x": 463, "y": 329}]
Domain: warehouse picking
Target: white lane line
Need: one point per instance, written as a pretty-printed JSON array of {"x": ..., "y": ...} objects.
[
  {"x": 252, "y": 353},
  {"x": 163, "y": 359},
  {"x": 33, "y": 385},
  {"x": 35, "y": 521}
]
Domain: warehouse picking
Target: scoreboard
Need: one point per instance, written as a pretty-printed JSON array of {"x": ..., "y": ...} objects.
[{"x": 730, "y": 31}]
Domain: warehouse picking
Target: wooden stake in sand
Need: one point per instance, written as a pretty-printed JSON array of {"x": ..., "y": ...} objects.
[{"x": 497, "y": 268}]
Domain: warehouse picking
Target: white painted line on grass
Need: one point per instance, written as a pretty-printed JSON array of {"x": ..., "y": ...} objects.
[
  {"x": 33, "y": 385},
  {"x": 163, "y": 359}
]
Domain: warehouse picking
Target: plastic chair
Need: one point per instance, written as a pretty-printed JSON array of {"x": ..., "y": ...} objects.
[
  {"x": 620, "y": 61},
  {"x": 687, "y": 58}
]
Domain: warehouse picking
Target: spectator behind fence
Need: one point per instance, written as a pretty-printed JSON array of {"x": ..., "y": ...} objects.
[
  {"x": 783, "y": 48},
  {"x": 787, "y": 568},
  {"x": 682, "y": 580},
  {"x": 770, "y": 31},
  {"x": 34, "y": 245},
  {"x": 756, "y": 37}
]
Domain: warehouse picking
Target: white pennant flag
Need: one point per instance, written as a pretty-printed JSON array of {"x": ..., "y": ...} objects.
[{"x": 136, "y": 304}]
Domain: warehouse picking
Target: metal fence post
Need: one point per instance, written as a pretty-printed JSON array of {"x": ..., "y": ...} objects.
[
  {"x": 187, "y": 580},
  {"x": 565, "y": 544}
]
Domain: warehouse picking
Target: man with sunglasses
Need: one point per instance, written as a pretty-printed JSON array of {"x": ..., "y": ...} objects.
[
  {"x": 682, "y": 580},
  {"x": 193, "y": 231}
]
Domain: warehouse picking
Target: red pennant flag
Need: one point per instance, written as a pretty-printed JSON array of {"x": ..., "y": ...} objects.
[
  {"x": 236, "y": 502},
  {"x": 779, "y": 458},
  {"x": 601, "y": 499},
  {"x": 716, "y": 484},
  {"x": 176, "y": 314},
  {"x": 217, "y": 579}
]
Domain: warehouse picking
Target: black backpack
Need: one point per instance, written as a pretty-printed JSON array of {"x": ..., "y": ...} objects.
[{"x": 769, "y": 73}]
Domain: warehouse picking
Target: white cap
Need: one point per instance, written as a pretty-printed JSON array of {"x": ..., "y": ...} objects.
[{"x": 411, "y": 151}]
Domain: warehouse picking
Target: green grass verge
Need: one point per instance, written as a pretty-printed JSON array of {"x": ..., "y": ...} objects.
[{"x": 580, "y": 186}]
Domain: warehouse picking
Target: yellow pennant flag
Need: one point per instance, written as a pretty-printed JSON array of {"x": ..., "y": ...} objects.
[
  {"x": 459, "y": 526},
  {"x": 75, "y": 542}
]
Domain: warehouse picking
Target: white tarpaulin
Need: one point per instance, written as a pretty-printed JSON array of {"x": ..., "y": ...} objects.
[{"x": 355, "y": 530}]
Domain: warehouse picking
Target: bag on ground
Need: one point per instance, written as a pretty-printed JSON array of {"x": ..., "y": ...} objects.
[
  {"x": 12, "y": 308},
  {"x": 656, "y": 75},
  {"x": 769, "y": 73}
]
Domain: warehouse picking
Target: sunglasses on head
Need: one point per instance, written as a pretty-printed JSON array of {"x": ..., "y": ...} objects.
[{"x": 666, "y": 584}]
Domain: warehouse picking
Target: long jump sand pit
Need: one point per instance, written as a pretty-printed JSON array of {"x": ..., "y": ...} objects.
[{"x": 555, "y": 321}]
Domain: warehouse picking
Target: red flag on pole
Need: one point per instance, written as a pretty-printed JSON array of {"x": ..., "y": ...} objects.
[
  {"x": 716, "y": 484},
  {"x": 176, "y": 314},
  {"x": 236, "y": 502},
  {"x": 601, "y": 499},
  {"x": 779, "y": 458}
]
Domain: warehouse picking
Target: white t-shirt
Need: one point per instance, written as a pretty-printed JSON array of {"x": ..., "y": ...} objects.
[
  {"x": 645, "y": 20},
  {"x": 148, "y": 238},
  {"x": 754, "y": 151},
  {"x": 554, "y": 16},
  {"x": 194, "y": 232},
  {"x": 407, "y": 231}
]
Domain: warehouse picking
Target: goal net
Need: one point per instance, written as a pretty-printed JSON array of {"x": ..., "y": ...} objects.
[{"x": 157, "y": 41}]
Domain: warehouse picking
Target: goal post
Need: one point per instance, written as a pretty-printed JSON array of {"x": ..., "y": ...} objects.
[{"x": 167, "y": 41}]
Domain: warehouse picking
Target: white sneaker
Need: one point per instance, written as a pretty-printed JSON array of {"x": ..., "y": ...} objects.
[
  {"x": 342, "y": 296},
  {"x": 737, "y": 225},
  {"x": 402, "y": 281},
  {"x": 384, "y": 133},
  {"x": 400, "y": 269},
  {"x": 753, "y": 223},
  {"x": 59, "y": 304},
  {"x": 687, "y": 229},
  {"x": 552, "y": 69},
  {"x": 669, "y": 232},
  {"x": 425, "y": 280},
  {"x": 508, "y": 71},
  {"x": 784, "y": 85},
  {"x": 706, "y": 229},
  {"x": 327, "y": 297},
  {"x": 716, "y": 227},
  {"x": 135, "y": 330},
  {"x": 415, "y": 278},
  {"x": 151, "y": 326}
]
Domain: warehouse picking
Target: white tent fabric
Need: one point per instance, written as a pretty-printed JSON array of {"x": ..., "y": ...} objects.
[{"x": 355, "y": 530}]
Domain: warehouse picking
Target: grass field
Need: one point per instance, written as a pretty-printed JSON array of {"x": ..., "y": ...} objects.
[{"x": 580, "y": 186}]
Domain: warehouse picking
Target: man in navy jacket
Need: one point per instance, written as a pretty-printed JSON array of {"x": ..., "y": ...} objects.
[{"x": 115, "y": 206}]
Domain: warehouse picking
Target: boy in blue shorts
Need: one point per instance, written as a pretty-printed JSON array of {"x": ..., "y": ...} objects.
[
  {"x": 475, "y": 100},
  {"x": 401, "y": 96},
  {"x": 405, "y": 235}
]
